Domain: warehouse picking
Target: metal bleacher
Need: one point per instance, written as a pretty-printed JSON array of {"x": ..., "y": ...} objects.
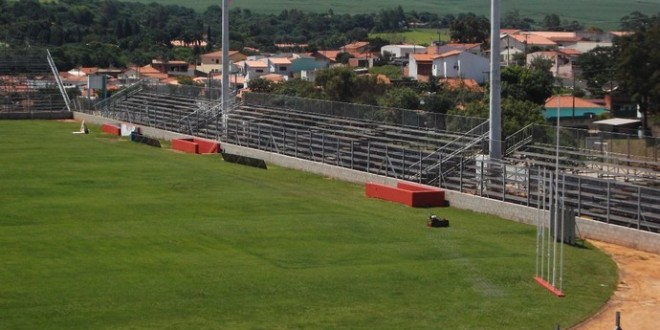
[
  {"x": 370, "y": 146},
  {"x": 155, "y": 106},
  {"x": 601, "y": 183},
  {"x": 27, "y": 83}
]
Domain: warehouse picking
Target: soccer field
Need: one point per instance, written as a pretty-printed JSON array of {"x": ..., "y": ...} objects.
[{"x": 97, "y": 232}]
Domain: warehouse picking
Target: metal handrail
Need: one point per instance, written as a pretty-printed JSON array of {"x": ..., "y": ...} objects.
[
  {"x": 58, "y": 80},
  {"x": 518, "y": 139}
]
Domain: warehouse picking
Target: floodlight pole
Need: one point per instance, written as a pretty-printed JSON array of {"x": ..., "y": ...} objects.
[
  {"x": 495, "y": 134},
  {"x": 225, "y": 63},
  {"x": 554, "y": 240}
]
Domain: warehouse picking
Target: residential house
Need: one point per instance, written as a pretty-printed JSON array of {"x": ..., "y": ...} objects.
[
  {"x": 402, "y": 51},
  {"x": 587, "y": 45},
  {"x": 561, "y": 63},
  {"x": 438, "y": 48},
  {"x": 571, "y": 107},
  {"x": 305, "y": 62},
  {"x": 253, "y": 68},
  {"x": 452, "y": 64},
  {"x": 356, "y": 48},
  {"x": 182, "y": 43},
  {"x": 524, "y": 41},
  {"x": 621, "y": 105},
  {"x": 361, "y": 53},
  {"x": 279, "y": 65},
  {"x": 174, "y": 68},
  {"x": 287, "y": 47},
  {"x": 420, "y": 65},
  {"x": 213, "y": 61},
  {"x": 329, "y": 56},
  {"x": 562, "y": 39}
]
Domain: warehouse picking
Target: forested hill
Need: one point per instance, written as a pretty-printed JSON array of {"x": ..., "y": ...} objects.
[{"x": 604, "y": 14}]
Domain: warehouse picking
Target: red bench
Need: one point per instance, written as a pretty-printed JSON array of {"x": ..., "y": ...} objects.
[
  {"x": 411, "y": 194},
  {"x": 196, "y": 146}
]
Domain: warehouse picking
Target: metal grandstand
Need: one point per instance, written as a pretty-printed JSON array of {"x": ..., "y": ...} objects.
[
  {"x": 608, "y": 177},
  {"x": 29, "y": 82}
]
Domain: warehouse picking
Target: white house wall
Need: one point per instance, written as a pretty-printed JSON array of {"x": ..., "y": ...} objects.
[{"x": 464, "y": 65}]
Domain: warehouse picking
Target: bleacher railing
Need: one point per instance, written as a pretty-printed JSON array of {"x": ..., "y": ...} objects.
[
  {"x": 518, "y": 139},
  {"x": 634, "y": 147},
  {"x": 387, "y": 115}
]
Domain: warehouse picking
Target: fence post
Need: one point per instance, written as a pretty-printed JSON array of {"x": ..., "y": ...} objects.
[
  {"x": 608, "y": 202},
  {"x": 618, "y": 321},
  {"x": 503, "y": 168},
  {"x": 579, "y": 193},
  {"x": 368, "y": 156},
  {"x": 481, "y": 179},
  {"x": 639, "y": 207},
  {"x": 460, "y": 174},
  {"x": 419, "y": 179},
  {"x": 387, "y": 157},
  {"x": 352, "y": 153}
]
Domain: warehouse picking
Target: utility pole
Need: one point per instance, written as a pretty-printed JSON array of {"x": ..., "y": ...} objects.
[
  {"x": 225, "y": 63},
  {"x": 495, "y": 134}
]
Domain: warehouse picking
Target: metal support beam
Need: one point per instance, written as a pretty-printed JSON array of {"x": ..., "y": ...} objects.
[
  {"x": 225, "y": 63},
  {"x": 495, "y": 149}
]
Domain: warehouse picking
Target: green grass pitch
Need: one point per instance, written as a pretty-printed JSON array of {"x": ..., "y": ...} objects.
[{"x": 97, "y": 232}]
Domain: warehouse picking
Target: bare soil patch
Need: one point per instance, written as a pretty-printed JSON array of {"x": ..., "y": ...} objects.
[{"x": 637, "y": 296}]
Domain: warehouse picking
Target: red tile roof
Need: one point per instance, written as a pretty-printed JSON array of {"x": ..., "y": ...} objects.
[
  {"x": 533, "y": 39},
  {"x": 424, "y": 57},
  {"x": 566, "y": 101}
]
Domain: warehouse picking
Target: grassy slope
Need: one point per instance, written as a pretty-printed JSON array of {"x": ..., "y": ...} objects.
[
  {"x": 414, "y": 36},
  {"x": 98, "y": 232},
  {"x": 602, "y": 13}
]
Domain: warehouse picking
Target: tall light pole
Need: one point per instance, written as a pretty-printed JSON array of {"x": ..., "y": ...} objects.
[
  {"x": 225, "y": 63},
  {"x": 495, "y": 134}
]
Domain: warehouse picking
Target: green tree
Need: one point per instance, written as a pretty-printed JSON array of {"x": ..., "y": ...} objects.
[
  {"x": 532, "y": 84},
  {"x": 297, "y": 87},
  {"x": 638, "y": 66},
  {"x": 513, "y": 20},
  {"x": 338, "y": 84},
  {"x": 516, "y": 114},
  {"x": 470, "y": 28},
  {"x": 552, "y": 22},
  {"x": 596, "y": 68},
  {"x": 404, "y": 98},
  {"x": 260, "y": 85}
]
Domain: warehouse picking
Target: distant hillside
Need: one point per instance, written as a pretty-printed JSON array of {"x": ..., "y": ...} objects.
[{"x": 601, "y": 13}]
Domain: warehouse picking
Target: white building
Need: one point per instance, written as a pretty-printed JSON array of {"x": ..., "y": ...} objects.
[
  {"x": 400, "y": 51},
  {"x": 452, "y": 64}
]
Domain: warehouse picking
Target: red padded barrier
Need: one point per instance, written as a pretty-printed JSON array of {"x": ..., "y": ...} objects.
[
  {"x": 196, "y": 146},
  {"x": 423, "y": 195},
  {"x": 111, "y": 129},
  {"x": 407, "y": 193},
  {"x": 392, "y": 194},
  {"x": 207, "y": 146},
  {"x": 185, "y": 145}
]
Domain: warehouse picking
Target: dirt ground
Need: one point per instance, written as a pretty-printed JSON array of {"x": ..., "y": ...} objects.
[{"x": 637, "y": 296}]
